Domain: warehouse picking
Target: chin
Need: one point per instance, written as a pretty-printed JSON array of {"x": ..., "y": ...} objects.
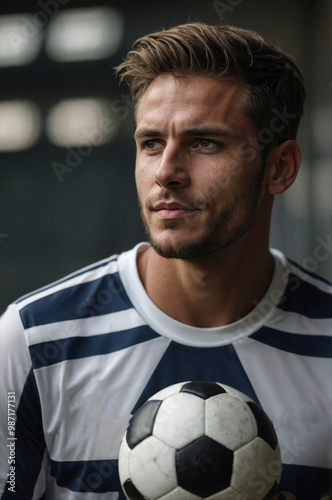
[{"x": 190, "y": 250}]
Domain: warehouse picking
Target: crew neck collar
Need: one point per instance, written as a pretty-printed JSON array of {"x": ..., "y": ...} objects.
[{"x": 193, "y": 336}]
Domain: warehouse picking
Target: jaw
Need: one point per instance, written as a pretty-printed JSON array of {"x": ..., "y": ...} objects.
[
  {"x": 207, "y": 235},
  {"x": 169, "y": 238},
  {"x": 196, "y": 241}
]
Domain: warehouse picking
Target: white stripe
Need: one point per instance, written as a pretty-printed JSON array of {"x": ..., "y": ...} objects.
[
  {"x": 293, "y": 396},
  {"x": 85, "y": 327},
  {"x": 84, "y": 277},
  {"x": 86, "y": 403},
  {"x": 292, "y": 322}
]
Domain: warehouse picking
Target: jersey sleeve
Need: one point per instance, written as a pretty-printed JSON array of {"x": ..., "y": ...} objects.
[{"x": 22, "y": 444}]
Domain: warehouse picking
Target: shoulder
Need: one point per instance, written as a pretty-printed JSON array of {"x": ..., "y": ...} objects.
[
  {"x": 10, "y": 329},
  {"x": 85, "y": 274},
  {"x": 301, "y": 321},
  {"x": 71, "y": 297},
  {"x": 306, "y": 293}
]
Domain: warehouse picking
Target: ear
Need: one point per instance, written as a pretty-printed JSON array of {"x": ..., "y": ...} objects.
[{"x": 282, "y": 165}]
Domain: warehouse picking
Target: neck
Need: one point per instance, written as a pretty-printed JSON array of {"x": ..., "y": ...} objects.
[{"x": 212, "y": 292}]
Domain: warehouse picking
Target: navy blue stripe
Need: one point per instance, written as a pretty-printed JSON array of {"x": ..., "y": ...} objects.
[
  {"x": 30, "y": 444},
  {"x": 94, "y": 298},
  {"x": 50, "y": 353},
  {"x": 306, "y": 299},
  {"x": 305, "y": 483},
  {"x": 67, "y": 278},
  {"x": 305, "y": 345},
  {"x": 181, "y": 363},
  {"x": 95, "y": 476}
]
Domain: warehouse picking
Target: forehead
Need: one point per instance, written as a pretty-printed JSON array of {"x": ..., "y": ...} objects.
[{"x": 171, "y": 101}]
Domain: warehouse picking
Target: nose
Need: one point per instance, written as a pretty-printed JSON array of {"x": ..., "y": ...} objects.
[{"x": 172, "y": 170}]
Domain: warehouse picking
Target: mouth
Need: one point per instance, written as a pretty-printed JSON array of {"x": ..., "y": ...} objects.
[{"x": 173, "y": 210}]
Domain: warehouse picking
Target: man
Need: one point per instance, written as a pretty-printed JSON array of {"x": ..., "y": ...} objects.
[{"x": 216, "y": 113}]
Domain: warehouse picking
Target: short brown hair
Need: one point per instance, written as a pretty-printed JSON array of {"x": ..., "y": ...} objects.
[{"x": 272, "y": 81}]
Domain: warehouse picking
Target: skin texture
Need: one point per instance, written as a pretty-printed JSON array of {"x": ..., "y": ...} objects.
[{"x": 206, "y": 205}]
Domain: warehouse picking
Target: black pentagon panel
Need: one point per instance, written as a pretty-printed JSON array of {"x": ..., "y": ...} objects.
[
  {"x": 273, "y": 492},
  {"x": 141, "y": 424},
  {"x": 204, "y": 467},
  {"x": 202, "y": 389},
  {"x": 131, "y": 491},
  {"x": 265, "y": 427}
]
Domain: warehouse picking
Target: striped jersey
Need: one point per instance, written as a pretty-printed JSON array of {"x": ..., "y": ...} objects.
[{"x": 80, "y": 356}]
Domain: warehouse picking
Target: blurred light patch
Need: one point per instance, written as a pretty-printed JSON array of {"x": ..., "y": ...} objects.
[
  {"x": 20, "y": 125},
  {"x": 20, "y": 39},
  {"x": 84, "y": 34},
  {"x": 82, "y": 122}
]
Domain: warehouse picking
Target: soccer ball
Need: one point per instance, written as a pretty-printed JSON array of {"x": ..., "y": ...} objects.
[{"x": 199, "y": 440}]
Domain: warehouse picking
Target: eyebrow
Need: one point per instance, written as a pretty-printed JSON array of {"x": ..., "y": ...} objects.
[
  {"x": 147, "y": 132},
  {"x": 191, "y": 132},
  {"x": 204, "y": 131}
]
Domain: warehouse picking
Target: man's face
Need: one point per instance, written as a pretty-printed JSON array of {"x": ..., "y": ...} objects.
[{"x": 197, "y": 189}]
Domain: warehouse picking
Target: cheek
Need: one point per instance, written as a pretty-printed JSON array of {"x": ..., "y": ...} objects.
[
  {"x": 144, "y": 180},
  {"x": 220, "y": 183},
  {"x": 234, "y": 177}
]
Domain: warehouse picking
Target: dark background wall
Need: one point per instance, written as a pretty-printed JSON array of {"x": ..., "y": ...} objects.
[{"x": 51, "y": 225}]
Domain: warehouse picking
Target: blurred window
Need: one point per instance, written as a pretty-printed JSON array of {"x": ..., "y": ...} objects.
[
  {"x": 84, "y": 34},
  {"x": 21, "y": 37},
  {"x": 81, "y": 122},
  {"x": 20, "y": 125}
]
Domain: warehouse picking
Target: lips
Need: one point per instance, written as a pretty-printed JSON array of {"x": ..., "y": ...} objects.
[{"x": 172, "y": 210}]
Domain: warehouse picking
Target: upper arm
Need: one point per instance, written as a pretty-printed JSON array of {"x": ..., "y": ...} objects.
[{"x": 19, "y": 399}]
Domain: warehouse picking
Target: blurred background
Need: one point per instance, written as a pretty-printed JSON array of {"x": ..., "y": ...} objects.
[{"x": 67, "y": 192}]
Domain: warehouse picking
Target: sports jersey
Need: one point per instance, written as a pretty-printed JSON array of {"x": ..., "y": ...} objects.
[{"x": 81, "y": 355}]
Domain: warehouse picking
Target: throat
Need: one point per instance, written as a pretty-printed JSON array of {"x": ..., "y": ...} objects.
[{"x": 202, "y": 297}]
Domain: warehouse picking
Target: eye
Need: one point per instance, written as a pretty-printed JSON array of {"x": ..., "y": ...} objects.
[
  {"x": 151, "y": 144},
  {"x": 208, "y": 145}
]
